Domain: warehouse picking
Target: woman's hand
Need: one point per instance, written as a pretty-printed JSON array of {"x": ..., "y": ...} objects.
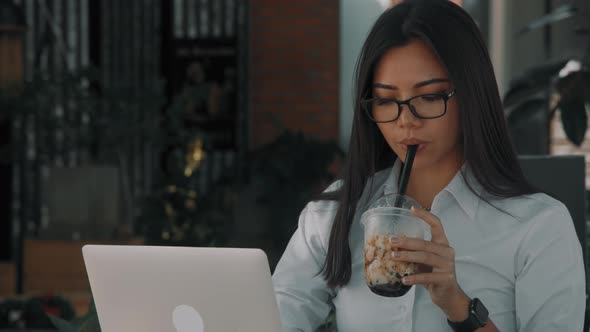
[{"x": 436, "y": 259}]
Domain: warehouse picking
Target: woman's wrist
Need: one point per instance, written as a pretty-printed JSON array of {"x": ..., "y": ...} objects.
[{"x": 457, "y": 309}]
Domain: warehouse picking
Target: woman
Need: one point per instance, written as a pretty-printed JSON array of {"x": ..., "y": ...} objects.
[{"x": 424, "y": 78}]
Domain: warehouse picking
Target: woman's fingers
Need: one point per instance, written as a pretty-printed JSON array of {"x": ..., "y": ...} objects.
[
  {"x": 440, "y": 278},
  {"x": 421, "y": 257},
  {"x": 436, "y": 228},
  {"x": 414, "y": 244}
]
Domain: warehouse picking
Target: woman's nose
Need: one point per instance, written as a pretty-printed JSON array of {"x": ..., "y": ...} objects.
[{"x": 407, "y": 118}]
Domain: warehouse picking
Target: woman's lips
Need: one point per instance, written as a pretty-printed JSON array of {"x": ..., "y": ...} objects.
[{"x": 421, "y": 146}]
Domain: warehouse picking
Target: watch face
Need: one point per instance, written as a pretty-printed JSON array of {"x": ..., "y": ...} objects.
[{"x": 479, "y": 311}]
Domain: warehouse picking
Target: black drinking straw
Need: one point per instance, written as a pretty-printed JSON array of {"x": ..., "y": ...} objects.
[{"x": 406, "y": 170}]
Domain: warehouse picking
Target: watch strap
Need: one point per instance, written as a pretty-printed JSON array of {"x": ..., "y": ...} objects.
[{"x": 478, "y": 317}]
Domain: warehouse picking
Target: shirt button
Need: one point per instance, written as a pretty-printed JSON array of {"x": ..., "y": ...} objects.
[{"x": 403, "y": 309}]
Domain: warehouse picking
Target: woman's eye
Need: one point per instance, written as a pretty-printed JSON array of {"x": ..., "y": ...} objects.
[
  {"x": 432, "y": 98},
  {"x": 382, "y": 101}
]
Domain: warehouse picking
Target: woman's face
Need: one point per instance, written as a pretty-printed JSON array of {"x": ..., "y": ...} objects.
[{"x": 408, "y": 71}]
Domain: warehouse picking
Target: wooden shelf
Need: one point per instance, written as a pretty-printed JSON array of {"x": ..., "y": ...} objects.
[
  {"x": 7, "y": 279},
  {"x": 51, "y": 267},
  {"x": 54, "y": 267}
]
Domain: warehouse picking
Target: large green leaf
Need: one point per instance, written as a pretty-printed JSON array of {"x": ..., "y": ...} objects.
[
  {"x": 62, "y": 325},
  {"x": 528, "y": 123},
  {"x": 86, "y": 323},
  {"x": 574, "y": 119},
  {"x": 534, "y": 83},
  {"x": 559, "y": 14}
]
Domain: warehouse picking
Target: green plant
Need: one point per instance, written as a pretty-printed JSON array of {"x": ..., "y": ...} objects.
[
  {"x": 293, "y": 170},
  {"x": 101, "y": 118},
  {"x": 533, "y": 99},
  {"x": 279, "y": 179},
  {"x": 175, "y": 215},
  {"x": 77, "y": 112},
  {"x": 174, "y": 212},
  {"x": 34, "y": 312},
  {"x": 86, "y": 323}
]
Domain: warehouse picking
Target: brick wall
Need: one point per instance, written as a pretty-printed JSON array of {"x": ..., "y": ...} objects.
[{"x": 294, "y": 61}]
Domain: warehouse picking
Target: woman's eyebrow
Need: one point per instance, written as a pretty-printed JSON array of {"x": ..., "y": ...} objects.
[{"x": 417, "y": 85}]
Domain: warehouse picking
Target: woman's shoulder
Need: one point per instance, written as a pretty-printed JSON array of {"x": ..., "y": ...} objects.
[
  {"x": 323, "y": 204},
  {"x": 536, "y": 207},
  {"x": 317, "y": 217}
]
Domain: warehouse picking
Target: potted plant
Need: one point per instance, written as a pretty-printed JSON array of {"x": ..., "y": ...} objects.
[
  {"x": 104, "y": 121},
  {"x": 564, "y": 85}
]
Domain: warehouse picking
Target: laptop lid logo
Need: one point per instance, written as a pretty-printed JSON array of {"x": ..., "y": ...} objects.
[{"x": 187, "y": 319}]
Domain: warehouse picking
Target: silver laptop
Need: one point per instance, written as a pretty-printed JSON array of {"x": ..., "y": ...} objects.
[{"x": 161, "y": 289}]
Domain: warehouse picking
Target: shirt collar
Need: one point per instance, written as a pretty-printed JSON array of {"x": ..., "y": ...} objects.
[{"x": 458, "y": 188}]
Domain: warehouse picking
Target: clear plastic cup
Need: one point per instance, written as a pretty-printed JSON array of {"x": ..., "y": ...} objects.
[{"x": 382, "y": 221}]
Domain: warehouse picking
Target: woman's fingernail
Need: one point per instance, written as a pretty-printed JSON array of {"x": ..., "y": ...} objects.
[
  {"x": 406, "y": 280},
  {"x": 393, "y": 240}
]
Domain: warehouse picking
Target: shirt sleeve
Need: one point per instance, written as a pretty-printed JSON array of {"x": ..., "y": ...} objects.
[
  {"x": 550, "y": 286},
  {"x": 302, "y": 295}
]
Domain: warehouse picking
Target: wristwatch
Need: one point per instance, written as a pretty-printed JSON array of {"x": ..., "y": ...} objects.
[{"x": 478, "y": 317}]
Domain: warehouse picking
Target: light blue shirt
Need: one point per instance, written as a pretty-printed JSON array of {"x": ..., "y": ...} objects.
[{"x": 527, "y": 268}]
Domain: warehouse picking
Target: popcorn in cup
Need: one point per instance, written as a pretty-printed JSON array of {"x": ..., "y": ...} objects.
[{"x": 390, "y": 217}]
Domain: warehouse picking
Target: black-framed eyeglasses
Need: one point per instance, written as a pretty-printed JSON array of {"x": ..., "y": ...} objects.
[{"x": 426, "y": 106}]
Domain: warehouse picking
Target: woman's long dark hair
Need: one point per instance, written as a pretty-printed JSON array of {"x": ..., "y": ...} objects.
[{"x": 488, "y": 151}]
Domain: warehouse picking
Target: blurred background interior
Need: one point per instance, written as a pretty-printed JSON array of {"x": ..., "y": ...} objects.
[{"x": 213, "y": 122}]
